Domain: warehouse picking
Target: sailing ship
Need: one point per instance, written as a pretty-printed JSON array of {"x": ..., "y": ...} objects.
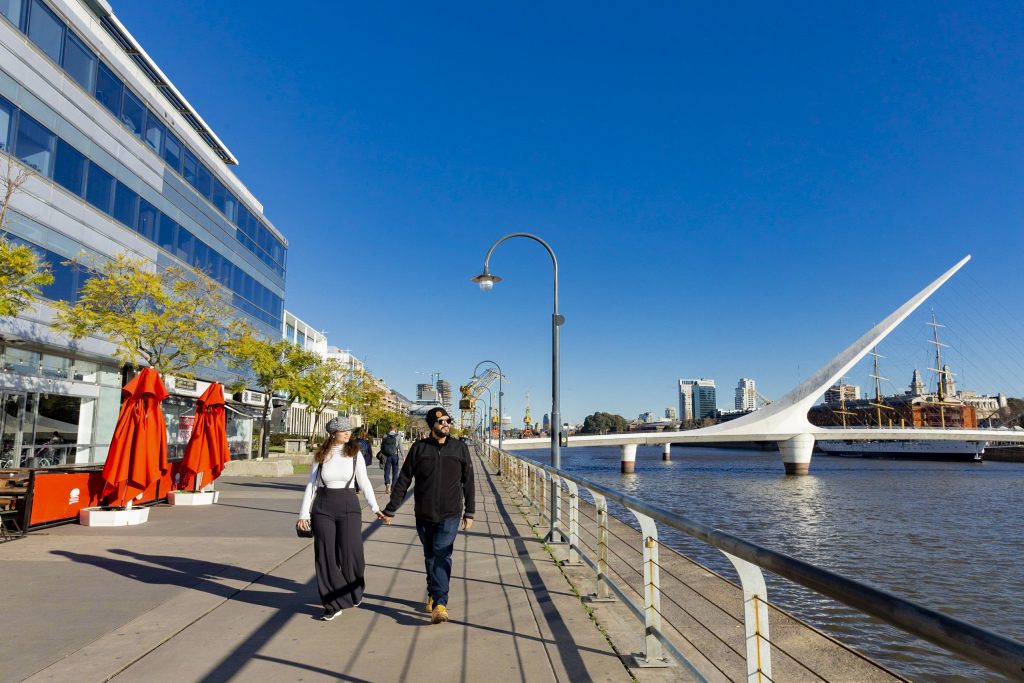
[{"x": 941, "y": 409}]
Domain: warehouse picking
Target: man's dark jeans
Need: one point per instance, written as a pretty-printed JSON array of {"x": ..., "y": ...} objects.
[
  {"x": 391, "y": 470},
  {"x": 438, "y": 539}
]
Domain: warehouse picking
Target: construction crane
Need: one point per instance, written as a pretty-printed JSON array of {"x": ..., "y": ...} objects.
[
  {"x": 527, "y": 420},
  {"x": 471, "y": 392}
]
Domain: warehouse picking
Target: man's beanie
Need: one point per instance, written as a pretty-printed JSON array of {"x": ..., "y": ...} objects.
[{"x": 434, "y": 414}]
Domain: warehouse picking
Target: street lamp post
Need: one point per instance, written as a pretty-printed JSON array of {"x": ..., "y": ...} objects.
[
  {"x": 486, "y": 281},
  {"x": 501, "y": 393}
]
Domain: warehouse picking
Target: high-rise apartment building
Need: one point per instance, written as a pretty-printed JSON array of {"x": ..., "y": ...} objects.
[
  {"x": 746, "y": 394},
  {"x": 426, "y": 392},
  {"x": 670, "y": 413},
  {"x": 121, "y": 162},
  {"x": 444, "y": 393},
  {"x": 686, "y": 399},
  {"x": 697, "y": 399},
  {"x": 839, "y": 392}
]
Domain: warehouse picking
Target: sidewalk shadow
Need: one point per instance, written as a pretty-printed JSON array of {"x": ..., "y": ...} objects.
[{"x": 187, "y": 572}]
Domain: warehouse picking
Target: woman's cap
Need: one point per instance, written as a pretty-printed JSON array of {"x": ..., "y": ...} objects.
[{"x": 339, "y": 424}]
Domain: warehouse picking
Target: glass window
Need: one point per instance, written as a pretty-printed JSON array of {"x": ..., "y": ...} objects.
[
  {"x": 35, "y": 144},
  {"x": 242, "y": 218},
  {"x": 12, "y": 10},
  {"x": 69, "y": 168},
  {"x": 236, "y": 278},
  {"x": 189, "y": 166},
  {"x": 166, "y": 234},
  {"x": 21, "y": 361},
  {"x": 219, "y": 195},
  {"x": 79, "y": 61},
  {"x": 230, "y": 206},
  {"x": 172, "y": 151},
  {"x": 184, "y": 245},
  {"x": 63, "y": 286},
  {"x": 46, "y": 30},
  {"x": 6, "y": 122},
  {"x": 201, "y": 256},
  {"x": 99, "y": 188},
  {"x": 126, "y": 205},
  {"x": 108, "y": 89},
  {"x": 154, "y": 132},
  {"x": 216, "y": 263},
  {"x": 204, "y": 181},
  {"x": 148, "y": 216},
  {"x": 133, "y": 113}
]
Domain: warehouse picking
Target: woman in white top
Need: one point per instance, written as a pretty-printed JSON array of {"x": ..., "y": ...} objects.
[{"x": 331, "y": 507}]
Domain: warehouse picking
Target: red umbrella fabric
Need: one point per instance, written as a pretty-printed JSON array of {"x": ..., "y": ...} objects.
[
  {"x": 138, "y": 449},
  {"x": 207, "y": 449}
]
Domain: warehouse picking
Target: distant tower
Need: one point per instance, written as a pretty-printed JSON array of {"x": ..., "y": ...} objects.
[
  {"x": 546, "y": 422},
  {"x": 425, "y": 392},
  {"x": 444, "y": 392},
  {"x": 704, "y": 400},
  {"x": 686, "y": 398},
  {"x": 916, "y": 384},
  {"x": 746, "y": 394},
  {"x": 948, "y": 383},
  {"x": 670, "y": 413}
]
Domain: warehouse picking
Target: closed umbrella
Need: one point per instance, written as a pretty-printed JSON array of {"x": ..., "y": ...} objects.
[
  {"x": 138, "y": 449},
  {"x": 207, "y": 449}
]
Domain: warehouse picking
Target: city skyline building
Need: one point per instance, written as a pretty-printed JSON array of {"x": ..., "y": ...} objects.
[
  {"x": 686, "y": 399},
  {"x": 704, "y": 399},
  {"x": 121, "y": 163},
  {"x": 840, "y": 392},
  {"x": 746, "y": 394},
  {"x": 444, "y": 393}
]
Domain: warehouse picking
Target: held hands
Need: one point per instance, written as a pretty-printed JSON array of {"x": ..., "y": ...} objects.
[
  {"x": 303, "y": 524},
  {"x": 384, "y": 518},
  {"x": 467, "y": 523}
]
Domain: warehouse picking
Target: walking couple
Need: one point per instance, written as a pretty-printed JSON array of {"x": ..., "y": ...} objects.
[{"x": 444, "y": 503}]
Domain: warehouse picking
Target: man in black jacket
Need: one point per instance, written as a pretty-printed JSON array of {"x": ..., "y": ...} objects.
[{"x": 444, "y": 479}]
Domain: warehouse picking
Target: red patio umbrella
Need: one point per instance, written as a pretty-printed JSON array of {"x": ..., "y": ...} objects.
[
  {"x": 138, "y": 449},
  {"x": 207, "y": 449}
]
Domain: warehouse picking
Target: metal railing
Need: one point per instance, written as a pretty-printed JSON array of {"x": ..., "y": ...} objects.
[{"x": 992, "y": 651}]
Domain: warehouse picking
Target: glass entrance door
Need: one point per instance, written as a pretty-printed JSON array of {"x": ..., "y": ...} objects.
[{"x": 16, "y": 426}]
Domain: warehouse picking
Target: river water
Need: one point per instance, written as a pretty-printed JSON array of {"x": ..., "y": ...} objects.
[{"x": 949, "y": 536}]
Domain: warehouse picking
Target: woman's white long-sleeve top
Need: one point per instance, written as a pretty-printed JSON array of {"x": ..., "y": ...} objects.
[{"x": 337, "y": 474}]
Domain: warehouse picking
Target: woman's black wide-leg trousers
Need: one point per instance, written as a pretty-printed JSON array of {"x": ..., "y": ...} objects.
[{"x": 338, "y": 545}]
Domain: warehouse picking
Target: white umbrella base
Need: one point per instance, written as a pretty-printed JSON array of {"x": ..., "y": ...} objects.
[
  {"x": 192, "y": 497},
  {"x": 109, "y": 517}
]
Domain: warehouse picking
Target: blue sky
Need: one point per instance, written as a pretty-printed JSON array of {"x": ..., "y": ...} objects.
[{"x": 731, "y": 191}]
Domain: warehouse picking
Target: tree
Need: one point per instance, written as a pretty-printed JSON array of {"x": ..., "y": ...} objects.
[
  {"x": 23, "y": 273},
  {"x": 604, "y": 423},
  {"x": 322, "y": 387},
  {"x": 172, "y": 320},
  {"x": 271, "y": 366}
]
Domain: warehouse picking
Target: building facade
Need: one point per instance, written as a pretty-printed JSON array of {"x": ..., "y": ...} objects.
[
  {"x": 120, "y": 163},
  {"x": 746, "y": 394},
  {"x": 704, "y": 399},
  {"x": 686, "y": 399}
]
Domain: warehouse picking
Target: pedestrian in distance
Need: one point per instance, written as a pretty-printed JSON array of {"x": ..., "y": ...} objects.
[
  {"x": 391, "y": 447},
  {"x": 331, "y": 508},
  {"x": 365, "y": 447},
  {"x": 444, "y": 502}
]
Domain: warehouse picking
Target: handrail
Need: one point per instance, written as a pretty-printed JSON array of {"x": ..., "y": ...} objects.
[{"x": 982, "y": 646}]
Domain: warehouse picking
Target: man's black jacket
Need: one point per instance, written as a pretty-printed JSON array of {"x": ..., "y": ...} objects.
[{"x": 444, "y": 476}]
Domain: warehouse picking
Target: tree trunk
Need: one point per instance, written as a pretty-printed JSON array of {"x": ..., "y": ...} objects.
[{"x": 264, "y": 427}]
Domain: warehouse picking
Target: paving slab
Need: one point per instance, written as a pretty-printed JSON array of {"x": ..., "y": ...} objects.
[{"x": 226, "y": 592}]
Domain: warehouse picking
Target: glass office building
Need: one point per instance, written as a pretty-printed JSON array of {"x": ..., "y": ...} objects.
[{"x": 121, "y": 163}]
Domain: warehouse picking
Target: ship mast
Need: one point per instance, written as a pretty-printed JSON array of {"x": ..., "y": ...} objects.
[
  {"x": 940, "y": 372},
  {"x": 878, "y": 389}
]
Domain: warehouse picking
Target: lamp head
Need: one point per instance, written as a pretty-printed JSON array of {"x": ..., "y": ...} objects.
[{"x": 485, "y": 280}]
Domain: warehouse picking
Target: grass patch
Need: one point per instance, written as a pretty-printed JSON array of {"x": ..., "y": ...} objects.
[{"x": 301, "y": 468}]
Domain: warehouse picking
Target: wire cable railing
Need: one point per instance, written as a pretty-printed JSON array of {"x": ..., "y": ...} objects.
[{"x": 643, "y": 597}]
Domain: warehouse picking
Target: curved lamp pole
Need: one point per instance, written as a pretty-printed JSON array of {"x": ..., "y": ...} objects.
[
  {"x": 486, "y": 281},
  {"x": 501, "y": 392}
]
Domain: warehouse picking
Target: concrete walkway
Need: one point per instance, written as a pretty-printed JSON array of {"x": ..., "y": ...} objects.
[{"x": 227, "y": 593}]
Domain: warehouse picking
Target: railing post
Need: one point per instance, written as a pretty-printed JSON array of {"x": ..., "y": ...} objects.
[
  {"x": 574, "y": 524},
  {"x": 602, "y": 594},
  {"x": 652, "y": 595},
  {"x": 755, "y": 619}
]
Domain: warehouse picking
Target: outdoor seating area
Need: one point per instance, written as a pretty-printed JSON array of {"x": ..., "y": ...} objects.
[{"x": 13, "y": 491}]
